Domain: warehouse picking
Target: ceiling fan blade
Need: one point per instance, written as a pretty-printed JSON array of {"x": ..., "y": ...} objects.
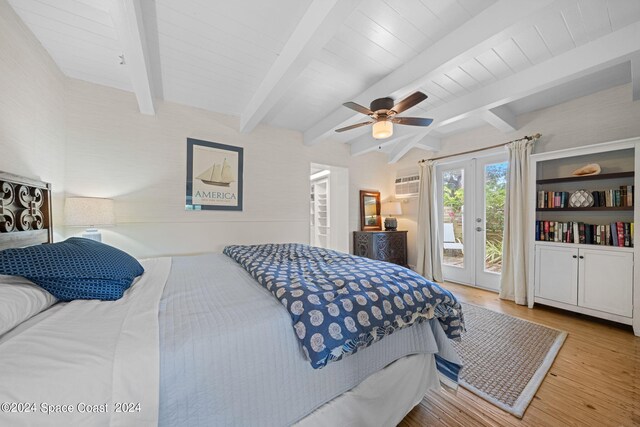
[
  {"x": 411, "y": 100},
  {"x": 357, "y": 125},
  {"x": 412, "y": 121},
  {"x": 359, "y": 108}
]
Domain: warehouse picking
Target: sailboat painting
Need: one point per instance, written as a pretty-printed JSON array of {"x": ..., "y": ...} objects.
[
  {"x": 214, "y": 176},
  {"x": 218, "y": 174}
]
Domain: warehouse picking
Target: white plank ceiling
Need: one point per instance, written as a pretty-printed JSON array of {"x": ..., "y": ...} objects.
[{"x": 475, "y": 59}]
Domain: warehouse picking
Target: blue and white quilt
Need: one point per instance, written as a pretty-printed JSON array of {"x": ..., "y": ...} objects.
[{"x": 340, "y": 303}]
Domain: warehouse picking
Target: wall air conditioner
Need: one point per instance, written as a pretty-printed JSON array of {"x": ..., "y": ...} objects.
[{"x": 407, "y": 186}]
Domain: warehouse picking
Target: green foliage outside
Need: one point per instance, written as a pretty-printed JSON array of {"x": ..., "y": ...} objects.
[
  {"x": 496, "y": 193},
  {"x": 493, "y": 253},
  {"x": 453, "y": 195}
]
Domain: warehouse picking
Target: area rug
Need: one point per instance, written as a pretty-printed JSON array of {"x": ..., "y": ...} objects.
[{"x": 505, "y": 358}]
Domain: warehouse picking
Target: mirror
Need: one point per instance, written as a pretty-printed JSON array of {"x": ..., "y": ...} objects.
[{"x": 370, "y": 211}]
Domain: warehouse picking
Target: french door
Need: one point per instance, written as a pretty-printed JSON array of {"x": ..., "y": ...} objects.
[{"x": 471, "y": 197}]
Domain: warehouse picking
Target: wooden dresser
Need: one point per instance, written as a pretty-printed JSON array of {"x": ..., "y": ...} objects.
[{"x": 389, "y": 246}]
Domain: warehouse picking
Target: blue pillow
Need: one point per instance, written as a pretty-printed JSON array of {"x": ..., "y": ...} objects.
[{"x": 74, "y": 269}]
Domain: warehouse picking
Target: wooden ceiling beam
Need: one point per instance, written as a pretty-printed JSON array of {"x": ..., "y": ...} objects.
[
  {"x": 429, "y": 143},
  {"x": 318, "y": 25},
  {"x": 366, "y": 144},
  {"x": 128, "y": 20},
  {"x": 422, "y": 140},
  {"x": 607, "y": 51},
  {"x": 496, "y": 24},
  {"x": 501, "y": 118}
]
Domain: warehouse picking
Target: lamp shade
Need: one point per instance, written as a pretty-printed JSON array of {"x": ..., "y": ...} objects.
[
  {"x": 382, "y": 129},
  {"x": 88, "y": 211},
  {"x": 391, "y": 208}
]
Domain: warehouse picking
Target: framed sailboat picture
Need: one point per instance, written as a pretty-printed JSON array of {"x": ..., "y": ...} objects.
[{"x": 214, "y": 176}]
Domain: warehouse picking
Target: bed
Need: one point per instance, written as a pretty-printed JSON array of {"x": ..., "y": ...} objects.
[{"x": 197, "y": 341}]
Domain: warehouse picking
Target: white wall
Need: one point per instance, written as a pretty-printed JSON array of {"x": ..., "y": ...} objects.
[
  {"x": 32, "y": 130},
  {"x": 339, "y": 209},
  {"x": 140, "y": 161},
  {"x": 91, "y": 140},
  {"x": 603, "y": 116}
]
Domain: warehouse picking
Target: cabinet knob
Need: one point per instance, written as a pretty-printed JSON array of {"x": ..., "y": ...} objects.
[
  {"x": 581, "y": 257},
  {"x": 575, "y": 256}
]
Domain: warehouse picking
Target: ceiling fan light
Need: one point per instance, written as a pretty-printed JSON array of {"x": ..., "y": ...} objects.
[{"x": 382, "y": 129}]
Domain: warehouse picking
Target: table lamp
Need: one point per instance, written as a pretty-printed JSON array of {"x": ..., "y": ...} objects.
[
  {"x": 89, "y": 212},
  {"x": 390, "y": 209}
]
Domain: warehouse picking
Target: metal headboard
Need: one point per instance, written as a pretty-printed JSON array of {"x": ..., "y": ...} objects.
[{"x": 25, "y": 211}]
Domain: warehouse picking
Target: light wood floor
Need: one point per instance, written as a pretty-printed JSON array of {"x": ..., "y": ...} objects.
[{"x": 594, "y": 381}]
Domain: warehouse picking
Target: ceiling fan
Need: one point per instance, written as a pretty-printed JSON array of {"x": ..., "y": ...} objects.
[{"x": 383, "y": 113}]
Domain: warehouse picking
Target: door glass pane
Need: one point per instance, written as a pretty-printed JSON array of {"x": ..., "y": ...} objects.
[
  {"x": 495, "y": 191},
  {"x": 453, "y": 207}
]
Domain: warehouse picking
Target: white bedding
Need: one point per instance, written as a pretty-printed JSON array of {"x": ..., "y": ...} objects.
[
  {"x": 368, "y": 404},
  {"x": 81, "y": 356},
  {"x": 229, "y": 357},
  {"x": 21, "y": 299},
  {"x": 95, "y": 355}
]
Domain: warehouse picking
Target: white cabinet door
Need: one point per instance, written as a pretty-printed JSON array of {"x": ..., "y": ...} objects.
[
  {"x": 606, "y": 281},
  {"x": 556, "y": 275}
]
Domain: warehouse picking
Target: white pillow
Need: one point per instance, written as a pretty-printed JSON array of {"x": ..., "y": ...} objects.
[{"x": 21, "y": 299}]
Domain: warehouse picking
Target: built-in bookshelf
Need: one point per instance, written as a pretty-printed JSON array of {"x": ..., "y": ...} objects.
[
  {"x": 582, "y": 253},
  {"x": 611, "y": 198},
  {"x": 617, "y": 232}
]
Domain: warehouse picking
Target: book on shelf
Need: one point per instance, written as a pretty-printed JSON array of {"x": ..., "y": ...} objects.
[
  {"x": 612, "y": 198},
  {"x": 553, "y": 199},
  {"x": 622, "y": 197},
  {"x": 614, "y": 234}
]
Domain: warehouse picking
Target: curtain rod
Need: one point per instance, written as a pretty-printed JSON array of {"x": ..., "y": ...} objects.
[{"x": 527, "y": 138}]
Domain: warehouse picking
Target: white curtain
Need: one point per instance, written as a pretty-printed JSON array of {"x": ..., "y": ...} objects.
[
  {"x": 515, "y": 248},
  {"x": 429, "y": 256}
]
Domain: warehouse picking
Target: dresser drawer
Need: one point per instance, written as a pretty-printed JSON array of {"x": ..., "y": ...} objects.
[{"x": 389, "y": 246}]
